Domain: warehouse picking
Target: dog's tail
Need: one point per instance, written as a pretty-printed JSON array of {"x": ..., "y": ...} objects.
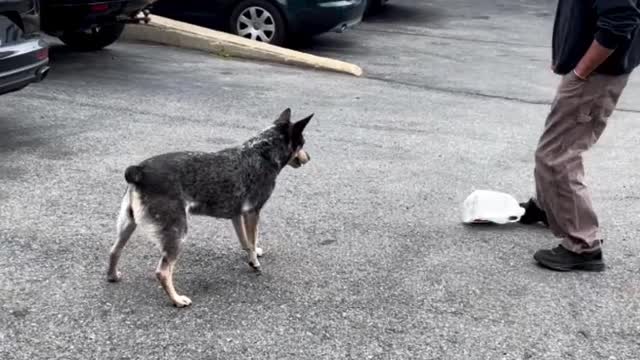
[{"x": 134, "y": 175}]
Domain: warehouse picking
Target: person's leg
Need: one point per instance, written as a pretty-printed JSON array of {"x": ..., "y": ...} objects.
[
  {"x": 560, "y": 121},
  {"x": 535, "y": 208},
  {"x": 577, "y": 120}
]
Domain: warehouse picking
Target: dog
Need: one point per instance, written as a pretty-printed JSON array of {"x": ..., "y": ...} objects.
[{"x": 234, "y": 183}]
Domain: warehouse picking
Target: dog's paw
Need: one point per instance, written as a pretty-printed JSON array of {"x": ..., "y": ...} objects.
[
  {"x": 259, "y": 252},
  {"x": 255, "y": 265},
  {"x": 181, "y": 301},
  {"x": 114, "y": 277}
]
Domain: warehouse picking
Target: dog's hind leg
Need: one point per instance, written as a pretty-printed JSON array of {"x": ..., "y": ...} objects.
[
  {"x": 125, "y": 227},
  {"x": 171, "y": 239},
  {"x": 165, "y": 269},
  {"x": 251, "y": 228},
  {"x": 164, "y": 273}
]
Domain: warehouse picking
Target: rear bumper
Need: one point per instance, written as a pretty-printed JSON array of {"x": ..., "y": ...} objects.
[
  {"x": 326, "y": 16},
  {"x": 61, "y": 15},
  {"x": 23, "y": 64}
]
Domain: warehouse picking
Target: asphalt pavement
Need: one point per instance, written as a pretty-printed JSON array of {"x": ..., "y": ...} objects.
[{"x": 366, "y": 257}]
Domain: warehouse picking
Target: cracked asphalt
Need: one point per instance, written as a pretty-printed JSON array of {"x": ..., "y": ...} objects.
[{"x": 365, "y": 254}]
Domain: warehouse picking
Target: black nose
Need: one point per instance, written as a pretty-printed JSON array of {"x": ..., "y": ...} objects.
[{"x": 308, "y": 157}]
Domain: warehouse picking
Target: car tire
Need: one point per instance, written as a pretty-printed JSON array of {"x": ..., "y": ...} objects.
[
  {"x": 94, "y": 40},
  {"x": 271, "y": 26}
]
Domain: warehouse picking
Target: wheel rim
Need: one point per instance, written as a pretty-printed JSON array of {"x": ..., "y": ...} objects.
[{"x": 256, "y": 23}]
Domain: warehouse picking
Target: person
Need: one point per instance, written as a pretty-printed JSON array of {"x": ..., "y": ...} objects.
[{"x": 596, "y": 46}]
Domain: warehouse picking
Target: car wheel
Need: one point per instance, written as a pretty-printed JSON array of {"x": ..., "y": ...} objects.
[
  {"x": 258, "y": 20},
  {"x": 93, "y": 39}
]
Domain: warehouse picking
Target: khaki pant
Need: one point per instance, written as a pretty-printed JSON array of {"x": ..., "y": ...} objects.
[{"x": 578, "y": 117}]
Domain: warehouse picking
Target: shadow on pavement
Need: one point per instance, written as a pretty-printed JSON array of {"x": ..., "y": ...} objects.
[
  {"x": 109, "y": 66},
  {"x": 62, "y": 56},
  {"x": 342, "y": 43},
  {"x": 60, "y": 53},
  {"x": 15, "y": 135},
  {"x": 389, "y": 17},
  {"x": 403, "y": 14}
]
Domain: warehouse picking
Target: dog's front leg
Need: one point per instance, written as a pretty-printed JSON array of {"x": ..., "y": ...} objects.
[
  {"x": 259, "y": 251},
  {"x": 251, "y": 220},
  {"x": 238, "y": 226}
]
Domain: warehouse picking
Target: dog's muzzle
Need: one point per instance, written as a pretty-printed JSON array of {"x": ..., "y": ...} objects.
[{"x": 300, "y": 158}]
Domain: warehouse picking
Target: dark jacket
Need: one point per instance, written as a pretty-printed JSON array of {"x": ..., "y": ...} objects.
[{"x": 614, "y": 24}]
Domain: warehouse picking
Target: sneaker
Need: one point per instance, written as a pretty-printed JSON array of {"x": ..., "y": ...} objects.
[
  {"x": 561, "y": 259},
  {"x": 533, "y": 214}
]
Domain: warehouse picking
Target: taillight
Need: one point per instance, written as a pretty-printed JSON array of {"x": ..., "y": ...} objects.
[
  {"x": 42, "y": 54},
  {"x": 99, "y": 8}
]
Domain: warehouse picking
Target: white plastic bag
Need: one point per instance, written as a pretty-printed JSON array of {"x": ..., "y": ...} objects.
[{"x": 486, "y": 206}]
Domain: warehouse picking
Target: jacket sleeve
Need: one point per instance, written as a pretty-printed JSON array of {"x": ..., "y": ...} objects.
[{"x": 617, "y": 21}]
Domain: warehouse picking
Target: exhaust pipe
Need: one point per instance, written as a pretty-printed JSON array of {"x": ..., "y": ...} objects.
[
  {"x": 42, "y": 73},
  {"x": 340, "y": 29}
]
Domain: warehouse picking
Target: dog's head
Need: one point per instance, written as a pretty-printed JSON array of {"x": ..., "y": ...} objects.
[{"x": 295, "y": 139}]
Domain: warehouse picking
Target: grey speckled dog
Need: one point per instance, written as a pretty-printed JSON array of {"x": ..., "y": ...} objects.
[{"x": 233, "y": 184}]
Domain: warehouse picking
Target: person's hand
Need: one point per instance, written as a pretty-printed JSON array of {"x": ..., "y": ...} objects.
[
  {"x": 580, "y": 74},
  {"x": 594, "y": 57}
]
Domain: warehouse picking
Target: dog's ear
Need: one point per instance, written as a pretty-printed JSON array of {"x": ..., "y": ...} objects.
[
  {"x": 284, "y": 118},
  {"x": 298, "y": 127}
]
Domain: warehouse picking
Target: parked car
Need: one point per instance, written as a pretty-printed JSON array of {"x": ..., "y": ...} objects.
[
  {"x": 24, "y": 55},
  {"x": 374, "y": 5},
  {"x": 88, "y": 24},
  {"x": 270, "y": 21}
]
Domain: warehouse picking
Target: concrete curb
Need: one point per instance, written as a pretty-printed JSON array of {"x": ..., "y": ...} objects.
[{"x": 175, "y": 33}]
